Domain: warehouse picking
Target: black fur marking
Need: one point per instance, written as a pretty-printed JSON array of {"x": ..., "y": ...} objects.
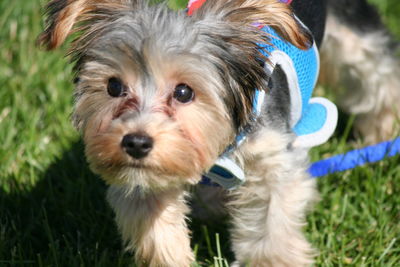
[
  {"x": 277, "y": 104},
  {"x": 313, "y": 14},
  {"x": 358, "y": 14}
]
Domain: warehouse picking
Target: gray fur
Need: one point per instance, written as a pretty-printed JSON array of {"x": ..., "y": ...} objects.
[{"x": 214, "y": 42}]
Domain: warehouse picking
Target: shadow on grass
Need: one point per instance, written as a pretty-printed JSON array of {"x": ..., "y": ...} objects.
[{"x": 65, "y": 221}]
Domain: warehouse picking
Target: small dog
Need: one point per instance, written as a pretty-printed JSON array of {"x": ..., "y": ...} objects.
[{"x": 161, "y": 95}]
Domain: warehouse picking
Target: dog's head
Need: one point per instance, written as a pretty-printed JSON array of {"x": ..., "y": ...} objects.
[{"x": 160, "y": 94}]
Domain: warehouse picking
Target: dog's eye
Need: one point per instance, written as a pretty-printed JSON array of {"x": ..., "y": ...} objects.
[
  {"x": 115, "y": 88},
  {"x": 183, "y": 93}
]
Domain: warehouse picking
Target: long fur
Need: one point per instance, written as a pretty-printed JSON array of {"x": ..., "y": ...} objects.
[
  {"x": 152, "y": 50},
  {"x": 358, "y": 60}
]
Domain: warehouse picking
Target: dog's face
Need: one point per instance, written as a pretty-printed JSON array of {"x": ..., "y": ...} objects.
[
  {"x": 159, "y": 94},
  {"x": 150, "y": 107}
]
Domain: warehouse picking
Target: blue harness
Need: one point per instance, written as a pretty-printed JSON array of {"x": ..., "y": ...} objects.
[{"x": 313, "y": 120}]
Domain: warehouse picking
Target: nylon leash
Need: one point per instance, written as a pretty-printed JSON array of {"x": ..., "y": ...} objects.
[{"x": 355, "y": 158}]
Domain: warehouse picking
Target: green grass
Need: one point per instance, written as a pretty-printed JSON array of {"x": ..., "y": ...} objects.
[{"x": 52, "y": 208}]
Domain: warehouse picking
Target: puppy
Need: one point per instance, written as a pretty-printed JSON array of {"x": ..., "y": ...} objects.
[{"x": 162, "y": 94}]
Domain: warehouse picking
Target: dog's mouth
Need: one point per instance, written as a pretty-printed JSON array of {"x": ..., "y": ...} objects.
[{"x": 137, "y": 165}]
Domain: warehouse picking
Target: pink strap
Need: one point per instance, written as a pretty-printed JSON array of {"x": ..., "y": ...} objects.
[{"x": 194, "y": 5}]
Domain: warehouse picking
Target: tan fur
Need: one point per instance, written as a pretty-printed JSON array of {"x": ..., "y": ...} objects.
[
  {"x": 266, "y": 12},
  {"x": 59, "y": 29},
  {"x": 61, "y": 24},
  {"x": 268, "y": 211},
  {"x": 154, "y": 225},
  {"x": 366, "y": 75},
  {"x": 182, "y": 135},
  {"x": 244, "y": 12},
  {"x": 148, "y": 194}
]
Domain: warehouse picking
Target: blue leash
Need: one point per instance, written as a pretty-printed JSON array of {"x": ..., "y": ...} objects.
[
  {"x": 355, "y": 158},
  {"x": 346, "y": 161}
]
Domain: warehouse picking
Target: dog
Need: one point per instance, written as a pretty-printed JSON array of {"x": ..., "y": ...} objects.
[{"x": 162, "y": 94}]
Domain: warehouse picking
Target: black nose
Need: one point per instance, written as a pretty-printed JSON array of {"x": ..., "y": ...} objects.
[{"x": 137, "y": 145}]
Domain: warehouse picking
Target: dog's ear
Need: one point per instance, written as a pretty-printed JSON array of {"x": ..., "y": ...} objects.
[
  {"x": 273, "y": 13},
  {"x": 63, "y": 15}
]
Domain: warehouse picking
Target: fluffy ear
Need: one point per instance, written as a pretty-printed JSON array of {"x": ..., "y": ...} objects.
[
  {"x": 273, "y": 13},
  {"x": 63, "y": 15}
]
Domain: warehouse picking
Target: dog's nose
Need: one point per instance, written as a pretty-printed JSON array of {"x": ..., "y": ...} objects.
[{"x": 137, "y": 145}]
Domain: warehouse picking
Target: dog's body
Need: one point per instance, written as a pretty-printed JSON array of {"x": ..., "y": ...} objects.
[
  {"x": 358, "y": 57},
  {"x": 160, "y": 95}
]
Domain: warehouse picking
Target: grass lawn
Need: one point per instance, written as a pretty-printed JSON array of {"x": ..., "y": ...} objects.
[{"x": 52, "y": 208}]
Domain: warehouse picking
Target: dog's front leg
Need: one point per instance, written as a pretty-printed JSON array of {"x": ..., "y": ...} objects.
[
  {"x": 268, "y": 211},
  {"x": 153, "y": 225}
]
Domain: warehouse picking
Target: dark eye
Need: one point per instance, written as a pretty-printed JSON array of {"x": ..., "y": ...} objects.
[
  {"x": 115, "y": 88},
  {"x": 183, "y": 93}
]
